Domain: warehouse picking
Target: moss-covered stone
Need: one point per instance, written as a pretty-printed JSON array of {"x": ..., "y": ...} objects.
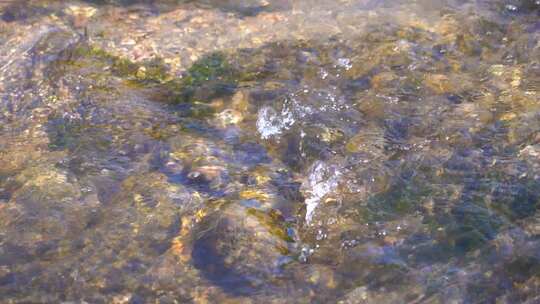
[
  {"x": 273, "y": 221},
  {"x": 75, "y": 134},
  {"x": 400, "y": 199}
]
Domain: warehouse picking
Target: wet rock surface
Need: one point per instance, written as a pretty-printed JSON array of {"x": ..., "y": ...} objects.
[{"x": 269, "y": 151}]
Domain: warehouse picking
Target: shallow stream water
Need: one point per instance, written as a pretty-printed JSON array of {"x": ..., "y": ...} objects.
[{"x": 286, "y": 151}]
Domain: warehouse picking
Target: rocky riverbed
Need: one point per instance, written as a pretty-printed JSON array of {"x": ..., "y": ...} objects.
[{"x": 310, "y": 151}]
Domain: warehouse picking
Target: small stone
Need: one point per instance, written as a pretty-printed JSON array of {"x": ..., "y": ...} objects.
[
  {"x": 128, "y": 42},
  {"x": 439, "y": 83},
  {"x": 508, "y": 116},
  {"x": 331, "y": 135},
  {"x": 141, "y": 72},
  {"x": 87, "y": 11},
  {"x": 254, "y": 194},
  {"x": 261, "y": 176},
  {"x": 178, "y": 249},
  {"x": 390, "y": 240},
  {"x": 240, "y": 101},
  {"x": 121, "y": 299},
  {"x": 208, "y": 172},
  {"x": 381, "y": 80},
  {"x": 497, "y": 69},
  {"x": 230, "y": 117}
]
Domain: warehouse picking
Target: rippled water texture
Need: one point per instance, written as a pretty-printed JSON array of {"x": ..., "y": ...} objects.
[{"x": 306, "y": 151}]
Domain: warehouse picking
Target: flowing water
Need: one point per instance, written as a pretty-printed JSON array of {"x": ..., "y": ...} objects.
[{"x": 285, "y": 151}]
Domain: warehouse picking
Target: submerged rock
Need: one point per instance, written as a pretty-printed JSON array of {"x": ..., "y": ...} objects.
[{"x": 239, "y": 252}]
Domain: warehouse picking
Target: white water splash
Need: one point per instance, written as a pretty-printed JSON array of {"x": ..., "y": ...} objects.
[
  {"x": 270, "y": 123},
  {"x": 322, "y": 180},
  {"x": 344, "y": 63}
]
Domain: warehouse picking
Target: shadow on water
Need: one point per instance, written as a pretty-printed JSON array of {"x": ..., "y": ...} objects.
[{"x": 210, "y": 253}]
